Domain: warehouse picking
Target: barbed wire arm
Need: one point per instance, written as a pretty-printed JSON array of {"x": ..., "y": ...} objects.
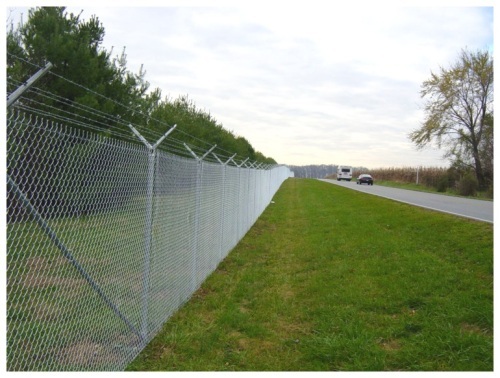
[
  {"x": 12, "y": 98},
  {"x": 243, "y": 162}
]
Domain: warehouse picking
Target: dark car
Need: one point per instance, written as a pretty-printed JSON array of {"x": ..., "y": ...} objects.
[{"x": 364, "y": 179}]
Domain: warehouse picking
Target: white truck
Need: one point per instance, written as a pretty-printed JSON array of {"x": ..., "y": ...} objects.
[{"x": 344, "y": 173}]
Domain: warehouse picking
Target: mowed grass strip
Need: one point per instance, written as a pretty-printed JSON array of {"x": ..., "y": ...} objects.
[{"x": 333, "y": 279}]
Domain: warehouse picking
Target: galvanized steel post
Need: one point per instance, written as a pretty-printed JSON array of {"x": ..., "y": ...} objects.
[
  {"x": 199, "y": 177},
  {"x": 12, "y": 98},
  {"x": 148, "y": 227}
]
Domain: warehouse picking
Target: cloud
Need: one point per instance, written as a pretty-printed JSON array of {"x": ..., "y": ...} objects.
[{"x": 307, "y": 83}]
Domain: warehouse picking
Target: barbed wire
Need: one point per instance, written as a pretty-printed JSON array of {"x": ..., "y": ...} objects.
[{"x": 96, "y": 118}]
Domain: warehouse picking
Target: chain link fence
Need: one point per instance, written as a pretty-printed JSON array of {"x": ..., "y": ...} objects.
[{"x": 106, "y": 239}]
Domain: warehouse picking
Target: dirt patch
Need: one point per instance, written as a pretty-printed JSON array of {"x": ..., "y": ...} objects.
[
  {"x": 242, "y": 343},
  {"x": 390, "y": 345},
  {"x": 44, "y": 272},
  {"x": 35, "y": 280},
  {"x": 81, "y": 353},
  {"x": 473, "y": 328},
  {"x": 201, "y": 293},
  {"x": 89, "y": 354},
  {"x": 166, "y": 353},
  {"x": 47, "y": 312},
  {"x": 40, "y": 263}
]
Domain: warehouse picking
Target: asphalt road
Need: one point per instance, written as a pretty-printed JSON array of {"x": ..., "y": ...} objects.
[{"x": 464, "y": 207}]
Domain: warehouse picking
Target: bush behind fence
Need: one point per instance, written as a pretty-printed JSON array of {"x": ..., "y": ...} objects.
[{"x": 105, "y": 241}]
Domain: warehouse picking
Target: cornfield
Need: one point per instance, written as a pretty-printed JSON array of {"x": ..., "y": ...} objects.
[{"x": 428, "y": 176}]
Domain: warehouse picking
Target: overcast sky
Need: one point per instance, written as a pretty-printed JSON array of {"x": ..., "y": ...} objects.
[{"x": 305, "y": 83}]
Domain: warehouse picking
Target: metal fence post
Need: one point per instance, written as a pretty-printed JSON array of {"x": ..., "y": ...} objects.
[
  {"x": 148, "y": 236},
  {"x": 223, "y": 203},
  {"x": 148, "y": 227},
  {"x": 12, "y": 98},
  {"x": 199, "y": 176},
  {"x": 240, "y": 208},
  {"x": 221, "y": 235}
]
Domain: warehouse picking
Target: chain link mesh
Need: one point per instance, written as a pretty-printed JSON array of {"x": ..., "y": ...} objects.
[{"x": 107, "y": 239}]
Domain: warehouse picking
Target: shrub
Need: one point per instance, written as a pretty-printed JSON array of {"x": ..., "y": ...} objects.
[
  {"x": 467, "y": 186},
  {"x": 442, "y": 184}
]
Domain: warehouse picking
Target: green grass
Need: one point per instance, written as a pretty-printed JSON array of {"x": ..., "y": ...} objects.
[
  {"x": 333, "y": 279},
  {"x": 52, "y": 311},
  {"x": 56, "y": 320}
]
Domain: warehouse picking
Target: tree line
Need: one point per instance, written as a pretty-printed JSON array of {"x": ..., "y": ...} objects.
[
  {"x": 87, "y": 75},
  {"x": 88, "y": 84}
]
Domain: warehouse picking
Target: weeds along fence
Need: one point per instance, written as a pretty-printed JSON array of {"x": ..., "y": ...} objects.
[{"x": 106, "y": 239}]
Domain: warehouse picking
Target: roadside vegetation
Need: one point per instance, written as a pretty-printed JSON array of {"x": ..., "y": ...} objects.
[
  {"x": 434, "y": 179},
  {"x": 330, "y": 279},
  {"x": 452, "y": 181}
]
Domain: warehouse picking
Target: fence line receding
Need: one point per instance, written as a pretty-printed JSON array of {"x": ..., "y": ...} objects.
[{"x": 106, "y": 239}]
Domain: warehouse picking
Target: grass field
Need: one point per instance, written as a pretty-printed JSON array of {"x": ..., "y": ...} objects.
[
  {"x": 56, "y": 319},
  {"x": 333, "y": 279}
]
